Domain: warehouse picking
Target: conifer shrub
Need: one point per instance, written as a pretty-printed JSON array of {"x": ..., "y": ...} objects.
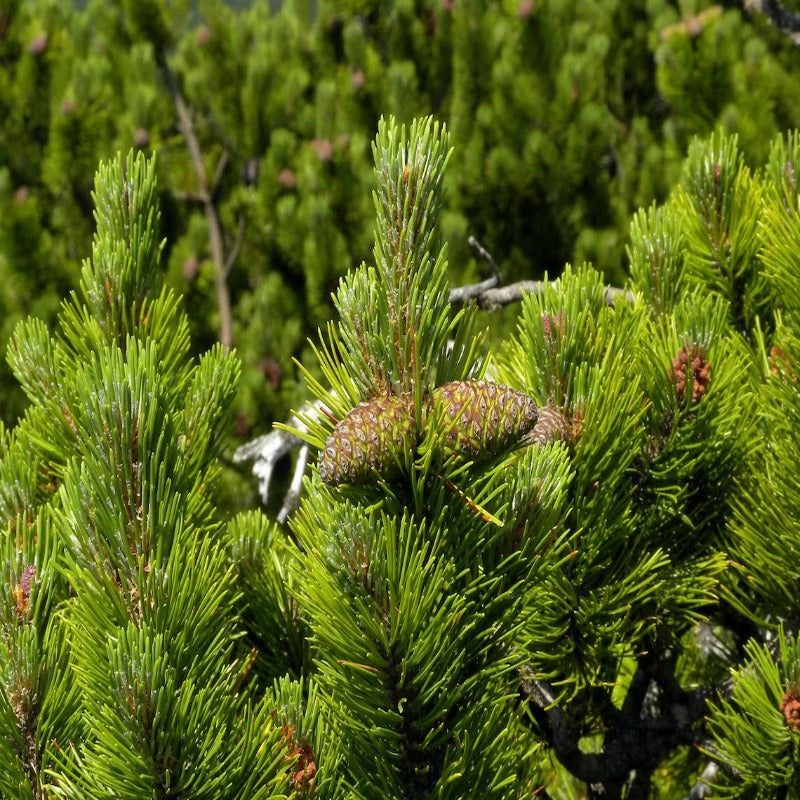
[
  {"x": 560, "y": 567},
  {"x": 566, "y": 117}
]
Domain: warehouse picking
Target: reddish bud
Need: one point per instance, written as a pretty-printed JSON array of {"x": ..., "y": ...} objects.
[
  {"x": 287, "y": 179},
  {"x": 357, "y": 79},
  {"x": 525, "y": 8},
  {"x": 242, "y": 424},
  {"x": 690, "y": 369},
  {"x": 189, "y": 268},
  {"x": 22, "y": 591},
  {"x": 272, "y": 371},
  {"x": 38, "y": 45},
  {"x": 694, "y": 26},
  {"x": 323, "y": 148},
  {"x": 303, "y": 776},
  {"x": 553, "y": 325},
  {"x": 141, "y": 138},
  {"x": 790, "y": 706}
]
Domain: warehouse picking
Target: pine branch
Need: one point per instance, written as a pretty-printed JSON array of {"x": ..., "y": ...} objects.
[
  {"x": 265, "y": 451},
  {"x": 656, "y": 716}
]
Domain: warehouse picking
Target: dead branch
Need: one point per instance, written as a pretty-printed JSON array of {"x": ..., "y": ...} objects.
[
  {"x": 490, "y": 297},
  {"x": 265, "y": 452},
  {"x": 705, "y": 783},
  {"x": 484, "y": 255},
  {"x": 784, "y": 20},
  {"x": 205, "y": 192},
  {"x": 233, "y": 253}
]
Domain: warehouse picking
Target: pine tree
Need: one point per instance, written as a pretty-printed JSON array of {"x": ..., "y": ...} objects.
[
  {"x": 122, "y": 670},
  {"x": 561, "y": 565},
  {"x": 589, "y": 579}
]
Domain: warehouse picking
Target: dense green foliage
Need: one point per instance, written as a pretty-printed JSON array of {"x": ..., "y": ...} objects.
[
  {"x": 602, "y": 602},
  {"x": 566, "y": 116}
]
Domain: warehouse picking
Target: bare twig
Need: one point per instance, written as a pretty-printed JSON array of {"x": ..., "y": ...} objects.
[
  {"x": 463, "y": 294},
  {"x": 188, "y": 197},
  {"x": 265, "y": 452},
  {"x": 637, "y": 736},
  {"x": 221, "y": 164},
  {"x": 206, "y": 195},
  {"x": 292, "y": 499},
  {"x": 485, "y": 255},
  {"x": 233, "y": 253}
]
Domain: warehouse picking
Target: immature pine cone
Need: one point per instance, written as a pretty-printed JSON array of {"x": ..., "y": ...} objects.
[
  {"x": 22, "y": 591},
  {"x": 691, "y": 365},
  {"x": 476, "y": 418},
  {"x": 781, "y": 364},
  {"x": 790, "y": 706},
  {"x": 369, "y": 440}
]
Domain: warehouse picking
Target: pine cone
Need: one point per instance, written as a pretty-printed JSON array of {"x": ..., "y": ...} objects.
[
  {"x": 691, "y": 365},
  {"x": 369, "y": 440},
  {"x": 475, "y": 418},
  {"x": 552, "y": 426}
]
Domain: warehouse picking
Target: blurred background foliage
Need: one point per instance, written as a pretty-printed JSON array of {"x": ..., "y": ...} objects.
[{"x": 565, "y": 117}]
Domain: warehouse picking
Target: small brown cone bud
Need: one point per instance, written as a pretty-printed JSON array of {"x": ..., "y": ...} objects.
[
  {"x": 368, "y": 442},
  {"x": 691, "y": 371},
  {"x": 287, "y": 179},
  {"x": 305, "y": 771},
  {"x": 323, "y": 148},
  {"x": 189, "y": 268},
  {"x": 790, "y": 706},
  {"x": 272, "y": 371},
  {"x": 475, "y": 418},
  {"x": 141, "y": 138},
  {"x": 781, "y": 364},
  {"x": 357, "y": 79},
  {"x": 38, "y": 45}
]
